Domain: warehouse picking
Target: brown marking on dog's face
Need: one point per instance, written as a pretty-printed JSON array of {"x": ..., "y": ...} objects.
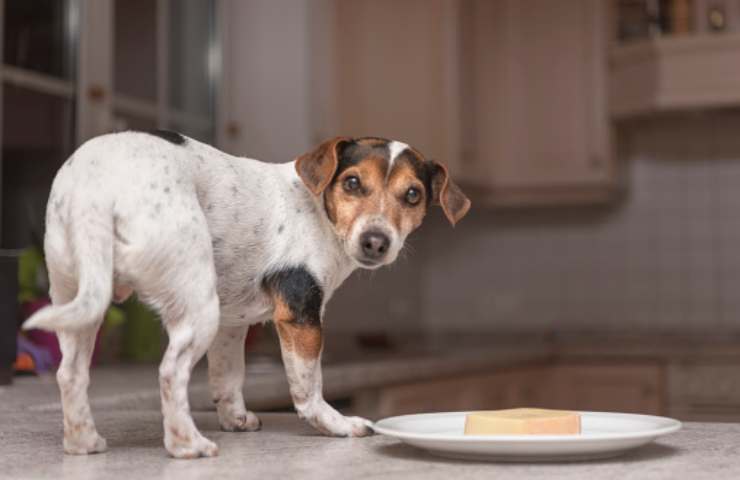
[
  {"x": 379, "y": 194},
  {"x": 316, "y": 168},
  {"x": 405, "y": 215},
  {"x": 373, "y": 194},
  {"x": 345, "y": 203}
]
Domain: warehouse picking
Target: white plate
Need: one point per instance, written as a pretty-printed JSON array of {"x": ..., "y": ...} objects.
[{"x": 603, "y": 435}]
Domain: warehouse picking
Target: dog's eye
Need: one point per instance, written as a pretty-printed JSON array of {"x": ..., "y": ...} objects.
[
  {"x": 413, "y": 196},
  {"x": 351, "y": 184}
]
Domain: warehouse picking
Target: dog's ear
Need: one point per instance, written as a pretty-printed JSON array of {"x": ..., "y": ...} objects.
[
  {"x": 447, "y": 194},
  {"x": 317, "y": 167}
]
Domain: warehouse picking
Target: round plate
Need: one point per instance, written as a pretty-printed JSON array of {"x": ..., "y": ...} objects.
[{"x": 602, "y": 435}]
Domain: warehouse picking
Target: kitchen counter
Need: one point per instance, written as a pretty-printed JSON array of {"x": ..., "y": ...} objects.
[
  {"x": 606, "y": 346},
  {"x": 286, "y": 448},
  {"x": 136, "y": 386},
  {"x": 125, "y": 401}
]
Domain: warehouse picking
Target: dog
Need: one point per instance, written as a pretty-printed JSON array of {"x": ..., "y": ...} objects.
[{"x": 216, "y": 243}]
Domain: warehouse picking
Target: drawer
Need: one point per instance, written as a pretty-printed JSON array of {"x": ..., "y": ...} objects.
[
  {"x": 704, "y": 386},
  {"x": 514, "y": 388},
  {"x": 613, "y": 388}
]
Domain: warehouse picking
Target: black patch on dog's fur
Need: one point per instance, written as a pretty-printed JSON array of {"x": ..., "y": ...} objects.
[
  {"x": 358, "y": 149},
  {"x": 300, "y": 291},
  {"x": 168, "y": 135}
]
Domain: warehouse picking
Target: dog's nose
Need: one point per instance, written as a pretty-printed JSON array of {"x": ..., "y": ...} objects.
[{"x": 374, "y": 244}]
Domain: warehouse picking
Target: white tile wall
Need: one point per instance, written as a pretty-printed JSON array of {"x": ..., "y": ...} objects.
[{"x": 666, "y": 259}]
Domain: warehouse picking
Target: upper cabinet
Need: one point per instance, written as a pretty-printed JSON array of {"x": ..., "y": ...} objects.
[
  {"x": 676, "y": 55},
  {"x": 511, "y": 94},
  {"x": 535, "y": 99},
  {"x": 675, "y": 73},
  {"x": 386, "y": 68}
]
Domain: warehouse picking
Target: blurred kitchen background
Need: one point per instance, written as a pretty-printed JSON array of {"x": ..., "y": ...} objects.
[{"x": 598, "y": 139}]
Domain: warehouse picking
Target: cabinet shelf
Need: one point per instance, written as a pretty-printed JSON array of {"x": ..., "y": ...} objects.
[{"x": 679, "y": 73}]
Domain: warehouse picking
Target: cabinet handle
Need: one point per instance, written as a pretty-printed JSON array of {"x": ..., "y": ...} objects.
[
  {"x": 96, "y": 93},
  {"x": 233, "y": 129}
]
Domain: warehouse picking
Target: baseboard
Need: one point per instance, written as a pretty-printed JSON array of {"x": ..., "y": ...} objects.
[{"x": 6, "y": 375}]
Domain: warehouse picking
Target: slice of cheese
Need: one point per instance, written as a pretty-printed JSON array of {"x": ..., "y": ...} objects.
[{"x": 523, "y": 421}]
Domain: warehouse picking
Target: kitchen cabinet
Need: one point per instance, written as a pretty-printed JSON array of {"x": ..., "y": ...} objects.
[
  {"x": 389, "y": 70},
  {"x": 632, "y": 387},
  {"x": 535, "y": 98},
  {"x": 503, "y": 389},
  {"x": 674, "y": 73},
  {"x": 511, "y": 94},
  {"x": 706, "y": 390}
]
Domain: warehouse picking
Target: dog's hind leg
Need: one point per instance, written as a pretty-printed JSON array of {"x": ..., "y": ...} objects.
[
  {"x": 190, "y": 334},
  {"x": 73, "y": 377},
  {"x": 226, "y": 378},
  {"x": 183, "y": 291},
  {"x": 80, "y": 275}
]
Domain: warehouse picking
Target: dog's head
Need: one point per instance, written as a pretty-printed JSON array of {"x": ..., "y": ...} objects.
[{"x": 376, "y": 192}]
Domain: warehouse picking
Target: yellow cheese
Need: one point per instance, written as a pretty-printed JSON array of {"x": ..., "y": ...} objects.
[{"x": 523, "y": 421}]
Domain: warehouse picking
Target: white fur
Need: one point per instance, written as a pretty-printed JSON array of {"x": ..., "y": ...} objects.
[
  {"x": 305, "y": 381},
  {"x": 395, "y": 149},
  {"x": 193, "y": 231},
  {"x": 377, "y": 222}
]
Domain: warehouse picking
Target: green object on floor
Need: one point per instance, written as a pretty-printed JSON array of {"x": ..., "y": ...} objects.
[
  {"x": 140, "y": 327},
  {"x": 142, "y": 332},
  {"x": 30, "y": 267}
]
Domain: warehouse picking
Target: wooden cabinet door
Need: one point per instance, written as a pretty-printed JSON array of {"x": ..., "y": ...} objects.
[
  {"x": 705, "y": 391},
  {"x": 505, "y": 389},
  {"x": 392, "y": 72},
  {"x": 534, "y": 97},
  {"x": 637, "y": 388}
]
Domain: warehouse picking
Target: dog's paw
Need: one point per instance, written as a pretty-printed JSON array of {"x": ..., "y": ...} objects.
[
  {"x": 198, "y": 447},
  {"x": 332, "y": 423},
  {"x": 360, "y": 427},
  {"x": 245, "y": 422},
  {"x": 83, "y": 445}
]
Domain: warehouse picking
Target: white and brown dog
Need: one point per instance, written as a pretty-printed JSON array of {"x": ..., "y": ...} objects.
[{"x": 216, "y": 243}]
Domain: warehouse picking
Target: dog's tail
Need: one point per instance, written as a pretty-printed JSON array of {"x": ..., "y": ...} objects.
[{"x": 91, "y": 244}]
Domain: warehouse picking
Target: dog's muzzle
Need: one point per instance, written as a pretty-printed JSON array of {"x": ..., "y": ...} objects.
[{"x": 374, "y": 245}]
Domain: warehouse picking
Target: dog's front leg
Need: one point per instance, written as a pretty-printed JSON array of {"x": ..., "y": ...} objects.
[
  {"x": 301, "y": 344},
  {"x": 301, "y": 350}
]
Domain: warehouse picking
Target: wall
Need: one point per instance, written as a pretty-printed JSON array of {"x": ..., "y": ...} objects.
[{"x": 666, "y": 259}]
